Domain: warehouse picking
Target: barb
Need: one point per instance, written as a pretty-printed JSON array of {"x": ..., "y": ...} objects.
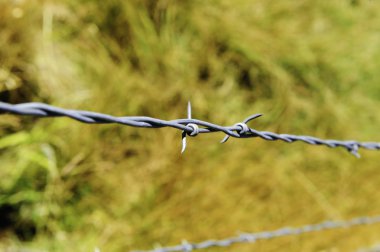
[
  {"x": 189, "y": 126},
  {"x": 266, "y": 235}
]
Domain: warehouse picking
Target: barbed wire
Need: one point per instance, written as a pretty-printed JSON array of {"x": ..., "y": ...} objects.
[
  {"x": 266, "y": 235},
  {"x": 193, "y": 127},
  {"x": 189, "y": 126}
]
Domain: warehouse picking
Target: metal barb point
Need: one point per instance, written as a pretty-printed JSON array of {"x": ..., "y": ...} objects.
[
  {"x": 184, "y": 132},
  {"x": 355, "y": 153},
  {"x": 188, "y": 110},
  {"x": 354, "y": 150},
  {"x": 183, "y": 141}
]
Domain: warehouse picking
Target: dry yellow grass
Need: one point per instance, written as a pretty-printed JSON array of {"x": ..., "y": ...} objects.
[{"x": 310, "y": 67}]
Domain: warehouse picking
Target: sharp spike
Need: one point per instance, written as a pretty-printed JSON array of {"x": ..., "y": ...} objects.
[
  {"x": 184, "y": 132},
  {"x": 225, "y": 139},
  {"x": 183, "y": 142},
  {"x": 188, "y": 110},
  {"x": 254, "y": 116}
]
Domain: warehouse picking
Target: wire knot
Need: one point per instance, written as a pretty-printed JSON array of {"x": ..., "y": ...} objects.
[
  {"x": 186, "y": 246},
  {"x": 248, "y": 237},
  {"x": 244, "y": 127},
  {"x": 195, "y": 129}
]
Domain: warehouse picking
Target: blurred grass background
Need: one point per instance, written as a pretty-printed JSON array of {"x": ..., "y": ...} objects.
[{"x": 310, "y": 67}]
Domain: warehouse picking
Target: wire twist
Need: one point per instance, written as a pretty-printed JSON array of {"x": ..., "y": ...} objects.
[{"x": 189, "y": 126}]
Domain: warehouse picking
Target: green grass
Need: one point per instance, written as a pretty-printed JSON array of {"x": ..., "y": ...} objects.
[{"x": 310, "y": 67}]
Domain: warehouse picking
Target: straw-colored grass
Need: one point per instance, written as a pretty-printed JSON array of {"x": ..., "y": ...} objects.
[{"x": 310, "y": 67}]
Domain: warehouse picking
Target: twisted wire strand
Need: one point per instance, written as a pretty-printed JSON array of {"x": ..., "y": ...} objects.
[
  {"x": 193, "y": 127},
  {"x": 266, "y": 235},
  {"x": 188, "y": 126}
]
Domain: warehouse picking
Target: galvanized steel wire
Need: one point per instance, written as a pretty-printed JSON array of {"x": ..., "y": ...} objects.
[
  {"x": 267, "y": 235},
  {"x": 189, "y": 126}
]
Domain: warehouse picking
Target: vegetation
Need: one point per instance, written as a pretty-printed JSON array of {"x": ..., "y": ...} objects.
[{"x": 310, "y": 67}]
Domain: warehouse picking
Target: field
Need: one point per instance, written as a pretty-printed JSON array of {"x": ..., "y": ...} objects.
[{"x": 311, "y": 67}]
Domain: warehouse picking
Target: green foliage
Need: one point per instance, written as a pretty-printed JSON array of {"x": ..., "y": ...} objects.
[{"x": 310, "y": 67}]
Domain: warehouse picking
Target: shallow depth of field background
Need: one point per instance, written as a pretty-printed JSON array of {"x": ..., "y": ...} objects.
[{"x": 312, "y": 67}]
